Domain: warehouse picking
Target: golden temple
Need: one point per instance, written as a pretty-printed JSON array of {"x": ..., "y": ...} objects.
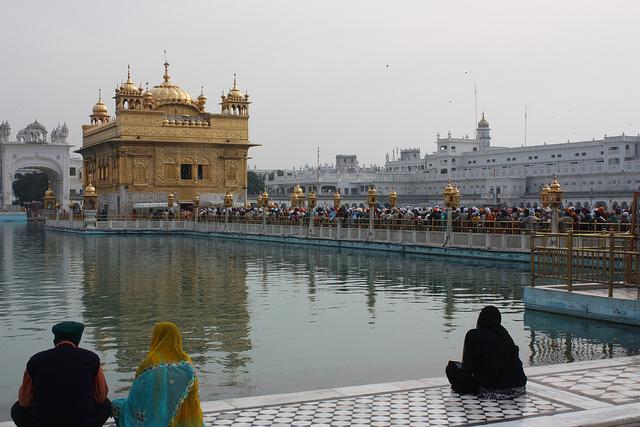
[{"x": 162, "y": 140}]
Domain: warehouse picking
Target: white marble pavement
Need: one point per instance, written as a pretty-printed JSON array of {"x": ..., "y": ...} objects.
[{"x": 600, "y": 393}]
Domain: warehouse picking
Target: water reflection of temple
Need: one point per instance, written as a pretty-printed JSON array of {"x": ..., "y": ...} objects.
[
  {"x": 442, "y": 279},
  {"x": 205, "y": 294},
  {"x": 234, "y": 299}
]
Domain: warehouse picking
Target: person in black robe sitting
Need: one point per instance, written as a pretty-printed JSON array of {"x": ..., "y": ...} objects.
[{"x": 491, "y": 366}]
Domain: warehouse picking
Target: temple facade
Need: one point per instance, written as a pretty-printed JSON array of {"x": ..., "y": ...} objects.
[{"x": 161, "y": 141}]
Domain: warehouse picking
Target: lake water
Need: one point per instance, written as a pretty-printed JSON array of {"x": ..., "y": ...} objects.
[{"x": 261, "y": 318}]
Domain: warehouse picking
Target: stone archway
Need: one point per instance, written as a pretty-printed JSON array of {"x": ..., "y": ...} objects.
[
  {"x": 29, "y": 152},
  {"x": 55, "y": 172}
]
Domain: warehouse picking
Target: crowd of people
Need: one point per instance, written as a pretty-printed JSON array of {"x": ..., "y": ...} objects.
[{"x": 466, "y": 218}]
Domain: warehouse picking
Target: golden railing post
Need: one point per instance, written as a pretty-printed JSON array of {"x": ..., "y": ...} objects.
[
  {"x": 533, "y": 260},
  {"x": 569, "y": 260},
  {"x": 611, "y": 262}
]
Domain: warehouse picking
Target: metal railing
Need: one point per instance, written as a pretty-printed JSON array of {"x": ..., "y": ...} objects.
[
  {"x": 439, "y": 224},
  {"x": 611, "y": 259}
]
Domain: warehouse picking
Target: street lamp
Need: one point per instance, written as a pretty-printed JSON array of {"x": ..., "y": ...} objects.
[
  {"x": 336, "y": 200},
  {"x": 393, "y": 198},
  {"x": 544, "y": 195},
  {"x": 265, "y": 204},
  {"x": 456, "y": 197},
  {"x": 451, "y": 198},
  {"x": 49, "y": 198},
  {"x": 297, "y": 197},
  {"x": 555, "y": 196},
  {"x": 196, "y": 203},
  {"x": 313, "y": 201},
  {"x": 371, "y": 201},
  {"x": 228, "y": 204},
  {"x": 90, "y": 205}
]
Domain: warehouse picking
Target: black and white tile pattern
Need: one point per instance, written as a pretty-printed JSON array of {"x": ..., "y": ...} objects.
[
  {"x": 616, "y": 384},
  {"x": 434, "y": 406}
]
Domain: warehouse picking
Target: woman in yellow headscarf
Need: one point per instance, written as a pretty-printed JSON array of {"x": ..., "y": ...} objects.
[{"x": 165, "y": 390}]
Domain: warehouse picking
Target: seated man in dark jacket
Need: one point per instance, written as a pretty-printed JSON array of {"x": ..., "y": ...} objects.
[
  {"x": 491, "y": 366},
  {"x": 63, "y": 386}
]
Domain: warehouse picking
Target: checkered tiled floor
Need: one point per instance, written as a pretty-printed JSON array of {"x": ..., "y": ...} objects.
[
  {"x": 573, "y": 394},
  {"x": 421, "y": 407},
  {"x": 617, "y": 385}
]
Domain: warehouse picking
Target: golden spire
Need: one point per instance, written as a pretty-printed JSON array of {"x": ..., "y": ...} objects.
[
  {"x": 166, "y": 72},
  {"x": 234, "y": 82},
  {"x": 129, "y": 74},
  {"x": 99, "y": 109}
]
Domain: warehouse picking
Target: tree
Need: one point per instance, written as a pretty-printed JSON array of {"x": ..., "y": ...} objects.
[
  {"x": 255, "y": 183},
  {"x": 30, "y": 187}
]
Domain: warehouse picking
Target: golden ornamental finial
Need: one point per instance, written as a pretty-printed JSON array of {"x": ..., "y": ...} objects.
[
  {"x": 129, "y": 74},
  {"x": 99, "y": 95},
  {"x": 234, "y": 81},
  {"x": 166, "y": 71},
  {"x": 201, "y": 90}
]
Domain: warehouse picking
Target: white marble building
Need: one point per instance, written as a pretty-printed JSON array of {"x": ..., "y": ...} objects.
[
  {"x": 75, "y": 179},
  {"x": 600, "y": 170},
  {"x": 34, "y": 149}
]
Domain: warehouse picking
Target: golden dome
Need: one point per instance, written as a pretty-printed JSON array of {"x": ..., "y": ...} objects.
[
  {"x": 100, "y": 108},
  {"x": 234, "y": 93},
  {"x": 555, "y": 185},
  {"x": 128, "y": 87},
  {"x": 448, "y": 188},
  {"x": 90, "y": 190},
  {"x": 49, "y": 192},
  {"x": 168, "y": 93},
  {"x": 297, "y": 190}
]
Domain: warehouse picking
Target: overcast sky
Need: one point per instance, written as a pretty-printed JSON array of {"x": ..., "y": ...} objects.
[{"x": 353, "y": 77}]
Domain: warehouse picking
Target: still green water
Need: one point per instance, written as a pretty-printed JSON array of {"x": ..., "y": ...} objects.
[{"x": 262, "y": 318}]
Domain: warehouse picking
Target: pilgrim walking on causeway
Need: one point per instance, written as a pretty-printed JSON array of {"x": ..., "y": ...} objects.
[
  {"x": 491, "y": 366},
  {"x": 63, "y": 386}
]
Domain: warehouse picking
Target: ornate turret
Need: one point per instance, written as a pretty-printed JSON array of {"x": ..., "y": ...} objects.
[
  {"x": 128, "y": 87},
  {"x": 128, "y": 95},
  {"x": 235, "y": 102},
  {"x": 483, "y": 133},
  {"x": 49, "y": 198},
  {"x": 202, "y": 100},
  {"x": 5, "y": 131},
  {"x": 99, "y": 113},
  {"x": 147, "y": 98},
  {"x": 35, "y": 133}
]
